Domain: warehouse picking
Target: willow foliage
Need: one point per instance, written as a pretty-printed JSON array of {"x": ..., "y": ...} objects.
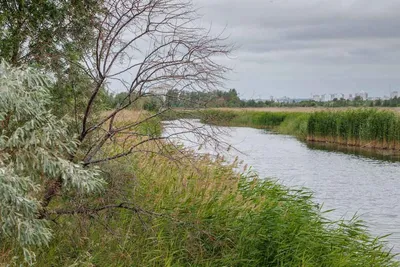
[{"x": 34, "y": 150}]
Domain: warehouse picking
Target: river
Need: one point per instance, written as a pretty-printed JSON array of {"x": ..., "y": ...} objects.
[{"x": 351, "y": 182}]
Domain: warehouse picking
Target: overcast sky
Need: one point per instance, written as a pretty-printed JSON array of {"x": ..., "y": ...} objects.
[{"x": 299, "y": 47}]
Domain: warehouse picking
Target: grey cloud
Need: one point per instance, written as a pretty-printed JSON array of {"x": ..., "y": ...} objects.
[
  {"x": 349, "y": 29},
  {"x": 294, "y": 47}
]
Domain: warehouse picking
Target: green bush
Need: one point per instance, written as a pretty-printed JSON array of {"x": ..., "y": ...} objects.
[
  {"x": 152, "y": 104},
  {"x": 34, "y": 150}
]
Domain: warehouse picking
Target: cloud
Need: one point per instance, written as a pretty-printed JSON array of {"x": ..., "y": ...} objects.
[{"x": 296, "y": 47}]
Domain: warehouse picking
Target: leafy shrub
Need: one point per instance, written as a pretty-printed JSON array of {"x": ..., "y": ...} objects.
[
  {"x": 152, "y": 104},
  {"x": 34, "y": 151}
]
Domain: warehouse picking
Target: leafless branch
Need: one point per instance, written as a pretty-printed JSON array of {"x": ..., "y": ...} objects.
[
  {"x": 154, "y": 45},
  {"x": 147, "y": 48}
]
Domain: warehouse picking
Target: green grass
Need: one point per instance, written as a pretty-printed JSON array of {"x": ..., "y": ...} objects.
[
  {"x": 294, "y": 123},
  {"x": 362, "y": 127},
  {"x": 200, "y": 212},
  {"x": 244, "y": 118},
  {"x": 356, "y": 127},
  {"x": 207, "y": 216}
]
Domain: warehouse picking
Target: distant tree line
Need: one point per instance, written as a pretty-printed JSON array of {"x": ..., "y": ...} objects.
[
  {"x": 356, "y": 102},
  {"x": 189, "y": 99},
  {"x": 230, "y": 98}
]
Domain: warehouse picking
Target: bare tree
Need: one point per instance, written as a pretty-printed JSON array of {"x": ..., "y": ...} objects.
[{"x": 145, "y": 47}]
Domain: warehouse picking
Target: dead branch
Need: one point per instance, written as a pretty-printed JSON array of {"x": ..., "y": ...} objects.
[
  {"x": 150, "y": 45},
  {"x": 145, "y": 48}
]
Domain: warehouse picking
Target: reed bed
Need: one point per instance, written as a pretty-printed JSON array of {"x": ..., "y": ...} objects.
[
  {"x": 362, "y": 127},
  {"x": 202, "y": 213},
  {"x": 371, "y": 128},
  {"x": 245, "y": 118}
]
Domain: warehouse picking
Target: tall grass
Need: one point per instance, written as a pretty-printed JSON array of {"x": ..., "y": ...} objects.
[
  {"x": 355, "y": 127},
  {"x": 294, "y": 123},
  {"x": 199, "y": 212},
  {"x": 208, "y": 215},
  {"x": 361, "y": 127},
  {"x": 245, "y": 118}
]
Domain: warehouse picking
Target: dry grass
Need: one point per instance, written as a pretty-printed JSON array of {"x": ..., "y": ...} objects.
[{"x": 127, "y": 115}]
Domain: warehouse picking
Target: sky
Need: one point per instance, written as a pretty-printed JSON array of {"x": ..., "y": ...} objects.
[{"x": 298, "y": 48}]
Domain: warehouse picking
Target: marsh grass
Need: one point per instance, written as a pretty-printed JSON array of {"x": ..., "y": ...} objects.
[
  {"x": 207, "y": 215},
  {"x": 370, "y": 128},
  {"x": 244, "y": 118},
  {"x": 362, "y": 127},
  {"x": 200, "y": 212}
]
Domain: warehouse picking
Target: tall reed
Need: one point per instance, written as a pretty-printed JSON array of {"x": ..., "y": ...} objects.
[
  {"x": 355, "y": 127},
  {"x": 255, "y": 119},
  {"x": 205, "y": 214},
  {"x": 359, "y": 127}
]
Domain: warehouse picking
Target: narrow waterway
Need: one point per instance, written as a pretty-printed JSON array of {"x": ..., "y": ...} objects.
[{"x": 350, "y": 182}]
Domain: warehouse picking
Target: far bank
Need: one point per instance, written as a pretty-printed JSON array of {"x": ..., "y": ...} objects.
[{"x": 364, "y": 128}]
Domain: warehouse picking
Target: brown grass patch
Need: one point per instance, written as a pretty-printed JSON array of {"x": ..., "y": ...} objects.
[{"x": 128, "y": 115}]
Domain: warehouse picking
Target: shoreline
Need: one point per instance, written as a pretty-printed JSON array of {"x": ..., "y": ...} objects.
[{"x": 375, "y": 129}]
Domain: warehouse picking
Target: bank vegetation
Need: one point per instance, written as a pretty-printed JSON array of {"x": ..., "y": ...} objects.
[{"x": 369, "y": 128}]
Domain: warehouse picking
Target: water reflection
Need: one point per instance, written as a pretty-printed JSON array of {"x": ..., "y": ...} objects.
[{"x": 376, "y": 154}]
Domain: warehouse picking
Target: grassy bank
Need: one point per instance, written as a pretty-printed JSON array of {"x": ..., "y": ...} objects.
[
  {"x": 294, "y": 123},
  {"x": 199, "y": 212},
  {"x": 209, "y": 216},
  {"x": 354, "y": 127}
]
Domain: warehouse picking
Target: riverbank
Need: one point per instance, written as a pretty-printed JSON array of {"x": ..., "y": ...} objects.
[
  {"x": 365, "y": 128},
  {"x": 198, "y": 211},
  {"x": 306, "y": 109}
]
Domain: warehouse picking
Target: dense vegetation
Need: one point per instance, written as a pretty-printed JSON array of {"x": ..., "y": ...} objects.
[
  {"x": 356, "y": 102},
  {"x": 33, "y": 145},
  {"x": 204, "y": 214},
  {"x": 370, "y": 128},
  {"x": 356, "y": 127},
  {"x": 86, "y": 181},
  {"x": 294, "y": 123},
  {"x": 230, "y": 98}
]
